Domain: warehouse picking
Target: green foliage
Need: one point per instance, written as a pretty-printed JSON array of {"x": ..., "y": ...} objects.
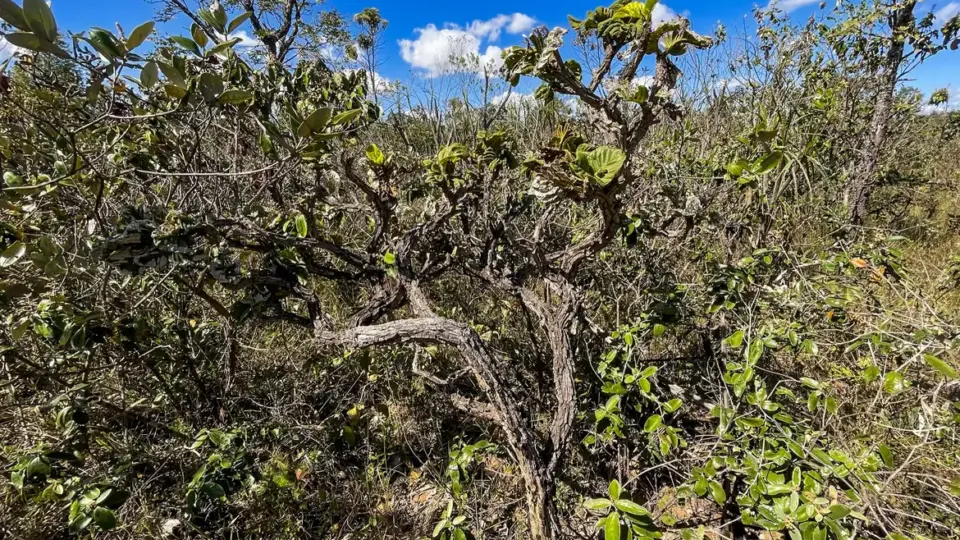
[{"x": 247, "y": 296}]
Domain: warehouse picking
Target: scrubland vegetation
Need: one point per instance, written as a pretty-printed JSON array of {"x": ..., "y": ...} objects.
[{"x": 694, "y": 285}]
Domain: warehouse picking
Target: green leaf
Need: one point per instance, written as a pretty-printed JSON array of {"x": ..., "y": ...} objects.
[
  {"x": 13, "y": 15},
  {"x": 458, "y": 534},
  {"x": 672, "y": 405},
  {"x": 611, "y": 529},
  {"x": 735, "y": 339},
  {"x": 441, "y": 525},
  {"x": 736, "y": 168},
  {"x": 755, "y": 350},
  {"x": 893, "y": 383},
  {"x": 173, "y": 74},
  {"x": 658, "y": 330},
  {"x": 597, "y": 504},
  {"x": 375, "y": 155},
  {"x": 614, "y": 489},
  {"x": 235, "y": 97},
  {"x": 633, "y": 10},
  {"x": 139, "y": 35},
  {"x": 301, "y": 223},
  {"x": 315, "y": 123},
  {"x": 942, "y": 367},
  {"x": 223, "y": 46},
  {"x": 212, "y": 490},
  {"x": 80, "y": 523},
  {"x": 266, "y": 143},
  {"x": 602, "y": 163},
  {"x": 631, "y": 508},
  {"x": 886, "y": 455},
  {"x": 12, "y": 254},
  {"x": 389, "y": 258},
  {"x": 40, "y": 19},
  {"x": 24, "y": 41},
  {"x": 652, "y": 423},
  {"x": 242, "y": 18},
  {"x": 347, "y": 116},
  {"x": 768, "y": 162},
  {"x": 716, "y": 491},
  {"x": 219, "y": 15},
  {"x": 104, "y": 518},
  {"x": 199, "y": 36},
  {"x": 105, "y": 43},
  {"x": 149, "y": 75},
  {"x": 187, "y": 44},
  {"x": 839, "y": 511}
]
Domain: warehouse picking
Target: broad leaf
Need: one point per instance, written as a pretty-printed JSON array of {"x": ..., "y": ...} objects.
[
  {"x": 104, "y": 518},
  {"x": 40, "y": 19},
  {"x": 139, "y": 35},
  {"x": 13, "y": 15},
  {"x": 942, "y": 367},
  {"x": 235, "y": 97},
  {"x": 12, "y": 254}
]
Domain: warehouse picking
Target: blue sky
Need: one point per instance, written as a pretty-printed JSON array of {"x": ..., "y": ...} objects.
[{"x": 418, "y": 29}]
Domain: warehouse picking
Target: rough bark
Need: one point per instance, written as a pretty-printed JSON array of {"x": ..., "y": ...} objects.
[
  {"x": 479, "y": 359},
  {"x": 864, "y": 177}
]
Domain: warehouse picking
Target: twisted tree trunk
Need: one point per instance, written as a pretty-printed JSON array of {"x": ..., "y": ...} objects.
[{"x": 480, "y": 360}]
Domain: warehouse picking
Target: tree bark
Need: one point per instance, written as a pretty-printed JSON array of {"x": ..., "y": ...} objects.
[
  {"x": 863, "y": 179},
  {"x": 479, "y": 359}
]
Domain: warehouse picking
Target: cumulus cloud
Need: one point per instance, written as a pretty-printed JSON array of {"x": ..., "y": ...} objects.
[
  {"x": 788, "y": 6},
  {"x": 947, "y": 12},
  {"x": 662, "y": 13},
  {"x": 451, "y": 48}
]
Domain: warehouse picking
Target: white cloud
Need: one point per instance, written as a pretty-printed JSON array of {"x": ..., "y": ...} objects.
[
  {"x": 520, "y": 23},
  {"x": 947, "y": 12},
  {"x": 7, "y": 49},
  {"x": 642, "y": 80},
  {"x": 790, "y": 5},
  {"x": 513, "y": 99},
  {"x": 728, "y": 85},
  {"x": 662, "y": 13},
  {"x": 438, "y": 51},
  {"x": 245, "y": 40},
  {"x": 382, "y": 84}
]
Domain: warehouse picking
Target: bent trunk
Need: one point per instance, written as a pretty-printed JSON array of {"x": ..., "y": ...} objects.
[{"x": 522, "y": 440}]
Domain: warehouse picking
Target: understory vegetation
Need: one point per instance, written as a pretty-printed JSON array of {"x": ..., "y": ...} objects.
[{"x": 688, "y": 285}]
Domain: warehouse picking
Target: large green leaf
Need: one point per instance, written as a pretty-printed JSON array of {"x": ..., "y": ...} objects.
[
  {"x": 614, "y": 489},
  {"x": 149, "y": 75},
  {"x": 316, "y": 122},
  {"x": 139, "y": 35},
  {"x": 768, "y": 162},
  {"x": 13, "y": 15},
  {"x": 597, "y": 504},
  {"x": 602, "y": 163},
  {"x": 187, "y": 44},
  {"x": 235, "y": 97},
  {"x": 942, "y": 367},
  {"x": 104, "y": 518},
  {"x": 631, "y": 508},
  {"x": 242, "y": 18},
  {"x": 12, "y": 254},
  {"x": 40, "y": 19},
  {"x": 611, "y": 527}
]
